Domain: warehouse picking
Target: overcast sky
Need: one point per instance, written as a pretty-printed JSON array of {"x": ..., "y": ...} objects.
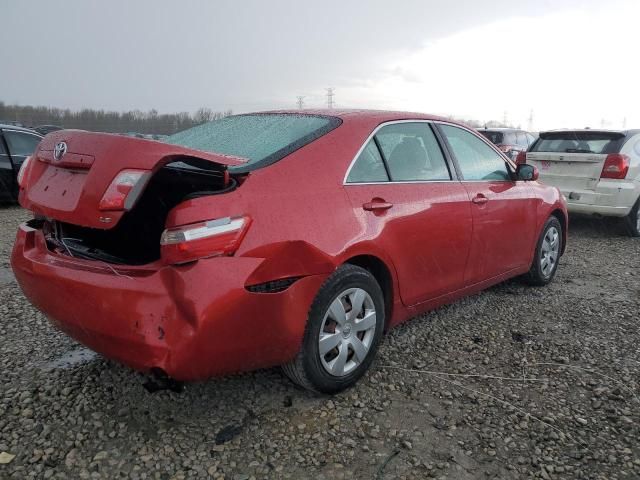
[{"x": 574, "y": 63}]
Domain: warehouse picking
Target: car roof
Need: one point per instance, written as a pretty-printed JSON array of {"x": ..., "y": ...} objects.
[
  {"x": 4, "y": 126},
  {"x": 593, "y": 130}
]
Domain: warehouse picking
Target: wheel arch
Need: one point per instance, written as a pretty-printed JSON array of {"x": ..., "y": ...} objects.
[
  {"x": 562, "y": 218},
  {"x": 382, "y": 273}
]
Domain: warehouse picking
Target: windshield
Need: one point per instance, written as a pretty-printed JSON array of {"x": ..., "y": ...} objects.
[
  {"x": 578, "y": 142},
  {"x": 263, "y": 139}
]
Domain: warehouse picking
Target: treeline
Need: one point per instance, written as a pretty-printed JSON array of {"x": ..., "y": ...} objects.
[{"x": 150, "y": 122}]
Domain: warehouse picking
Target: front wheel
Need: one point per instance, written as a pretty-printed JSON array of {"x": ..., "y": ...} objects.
[
  {"x": 547, "y": 254},
  {"x": 344, "y": 327},
  {"x": 632, "y": 221}
]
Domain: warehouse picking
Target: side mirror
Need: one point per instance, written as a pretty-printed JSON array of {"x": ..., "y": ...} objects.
[{"x": 527, "y": 173}]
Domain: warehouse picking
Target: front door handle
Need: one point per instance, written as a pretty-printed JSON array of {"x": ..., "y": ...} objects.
[
  {"x": 377, "y": 206},
  {"x": 480, "y": 199}
]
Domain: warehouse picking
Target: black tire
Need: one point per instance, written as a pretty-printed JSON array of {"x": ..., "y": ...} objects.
[
  {"x": 307, "y": 368},
  {"x": 537, "y": 276},
  {"x": 632, "y": 222}
]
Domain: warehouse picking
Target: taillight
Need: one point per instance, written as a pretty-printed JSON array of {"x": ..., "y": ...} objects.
[
  {"x": 22, "y": 173},
  {"x": 213, "y": 238},
  {"x": 124, "y": 190},
  {"x": 521, "y": 158},
  {"x": 615, "y": 166},
  {"x": 505, "y": 148}
]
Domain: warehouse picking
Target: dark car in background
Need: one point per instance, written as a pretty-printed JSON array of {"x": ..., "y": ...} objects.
[
  {"x": 511, "y": 141},
  {"x": 16, "y": 144},
  {"x": 45, "y": 129}
]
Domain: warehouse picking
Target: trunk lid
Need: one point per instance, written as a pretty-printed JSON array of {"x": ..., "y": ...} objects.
[{"x": 72, "y": 169}]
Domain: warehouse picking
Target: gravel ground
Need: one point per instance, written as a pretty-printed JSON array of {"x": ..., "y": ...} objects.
[{"x": 516, "y": 382}]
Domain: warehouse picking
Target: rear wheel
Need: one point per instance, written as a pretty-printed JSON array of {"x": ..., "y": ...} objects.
[
  {"x": 632, "y": 221},
  {"x": 343, "y": 330},
  {"x": 547, "y": 254}
]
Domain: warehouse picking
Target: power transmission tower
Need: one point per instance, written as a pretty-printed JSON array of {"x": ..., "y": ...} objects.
[
  {"x": 531, "y": 121},
  {"x": 505, "y": 118},
  {"x": 300, "y": 102},
  {"x": 330, "y": 96}
]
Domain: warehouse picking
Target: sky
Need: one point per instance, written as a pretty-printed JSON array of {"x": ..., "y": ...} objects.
[{"x": 552, "y": 64}]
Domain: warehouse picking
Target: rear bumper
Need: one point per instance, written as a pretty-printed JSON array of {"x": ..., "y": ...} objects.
[
  {"x": 193, "y": 321},
  {"x": 610, "y": 198}
]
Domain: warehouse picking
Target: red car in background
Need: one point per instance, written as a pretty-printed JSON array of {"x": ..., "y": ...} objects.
[{"x": 278, "y": 238}]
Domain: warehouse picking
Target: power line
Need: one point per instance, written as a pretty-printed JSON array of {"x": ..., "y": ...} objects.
[
  {"x": 330, "y": 96},
  {"x": 300, "y": 102}
]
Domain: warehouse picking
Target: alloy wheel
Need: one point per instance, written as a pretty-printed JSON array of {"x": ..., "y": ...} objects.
[{"x": 347, "y": 332}]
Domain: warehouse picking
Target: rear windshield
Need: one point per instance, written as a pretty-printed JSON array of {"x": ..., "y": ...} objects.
[
  {"x": 579, "y": 142},
  {"x": 493, "y": 137},
  {"x": 263, "y": 139}
]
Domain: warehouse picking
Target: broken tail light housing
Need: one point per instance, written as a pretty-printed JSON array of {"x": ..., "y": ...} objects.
[
  {"x": 212, "y": 238},
  {"x": 615, "y": 166},
  {"x": 22, "y": 173},
  {"x": 124, "y": 190}
]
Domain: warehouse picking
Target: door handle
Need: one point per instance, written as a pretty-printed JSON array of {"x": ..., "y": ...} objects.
[
  {"x": 377, "y": 206},
  {"x": 480, "y": 199}
]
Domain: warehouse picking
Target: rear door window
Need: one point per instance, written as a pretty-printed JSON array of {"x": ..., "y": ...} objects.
[
  {"x": 21, "y": 144},
  {"x": 476, "y": 159},
  {"x": 369, "y": 166},
  {"x": 412, "y": 152}
]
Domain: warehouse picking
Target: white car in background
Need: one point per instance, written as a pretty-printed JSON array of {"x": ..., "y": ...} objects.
[{"x": 598, "y": 171}]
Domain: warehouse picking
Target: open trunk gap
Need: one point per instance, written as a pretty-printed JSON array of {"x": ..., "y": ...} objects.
[{"x": 135, "y": 240}]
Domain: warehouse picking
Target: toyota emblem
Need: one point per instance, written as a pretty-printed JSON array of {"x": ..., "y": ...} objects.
[{"x": 60, "y": 150}]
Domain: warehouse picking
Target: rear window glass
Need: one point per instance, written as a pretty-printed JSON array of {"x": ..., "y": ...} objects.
[
  {"x": 493, "y": 137},
  {"x": 579, "y": 142},
  {"x": 261, "y": 138}
]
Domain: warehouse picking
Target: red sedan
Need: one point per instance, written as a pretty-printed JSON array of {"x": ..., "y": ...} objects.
[{"x": 279, "y": 238}]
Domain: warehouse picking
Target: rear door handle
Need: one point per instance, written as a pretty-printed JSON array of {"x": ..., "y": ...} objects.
[
  {"x": 480, "y": 199},
  {"x": 377, "y": 206}
]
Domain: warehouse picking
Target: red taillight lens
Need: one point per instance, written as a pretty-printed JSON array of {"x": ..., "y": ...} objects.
[
  {"x": 22, "y": 173},
  {"x": 505, "y": 148},
  {"x": 204, "y": 239},
  {"x": 124, "y": 190},
  {"x": 615, "y": 166},
  {"x": 521, "y": 159}
]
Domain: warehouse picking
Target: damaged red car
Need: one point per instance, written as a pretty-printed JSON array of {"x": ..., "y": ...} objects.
[{"x": 279, "y": 238}]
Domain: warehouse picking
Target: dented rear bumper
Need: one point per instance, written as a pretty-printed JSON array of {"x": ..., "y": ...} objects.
[{"x": 193, "y": 322}]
